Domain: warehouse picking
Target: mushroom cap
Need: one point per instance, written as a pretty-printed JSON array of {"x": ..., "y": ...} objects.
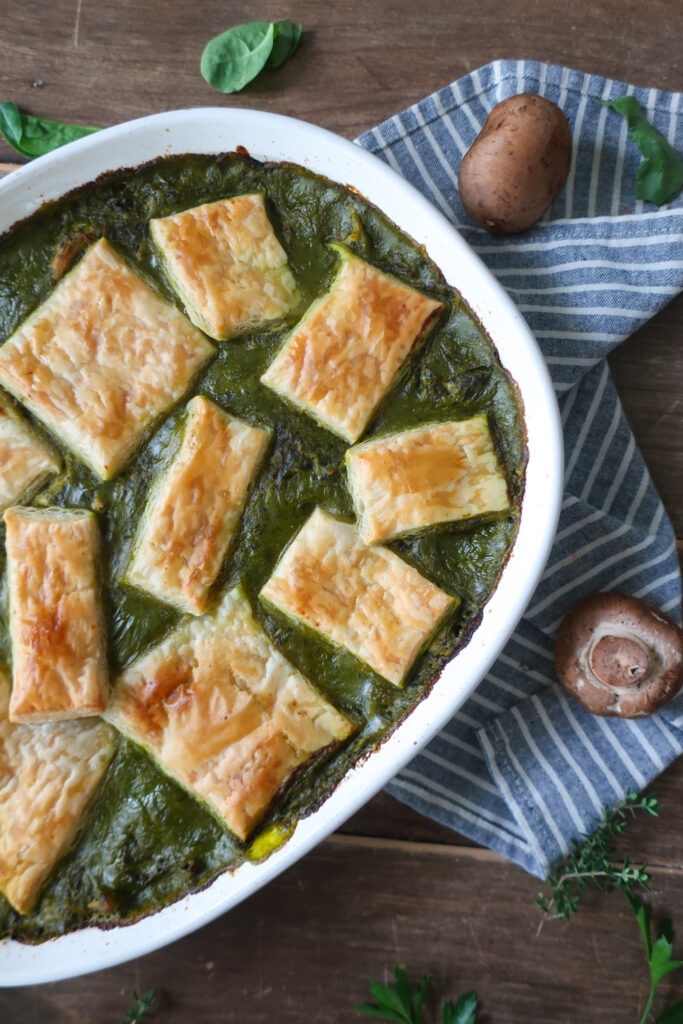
[{"x": 619, "y": 656}]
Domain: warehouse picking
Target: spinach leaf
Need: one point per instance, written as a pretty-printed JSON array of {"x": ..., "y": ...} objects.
[
  {"x": 234, "y": 58},
  {"x": 287, "y": 36},
  {"x": 659, "y": 178},
  {"x": 33, "y": 136}
]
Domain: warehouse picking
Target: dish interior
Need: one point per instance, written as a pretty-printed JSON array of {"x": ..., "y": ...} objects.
[{"x": 145, "y": 841}]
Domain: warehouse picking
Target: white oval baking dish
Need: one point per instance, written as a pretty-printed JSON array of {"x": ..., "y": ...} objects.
[{"x": 273, "y": 137}]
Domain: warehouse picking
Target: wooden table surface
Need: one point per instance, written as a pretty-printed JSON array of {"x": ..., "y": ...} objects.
[{"x": 391, "y": 887}]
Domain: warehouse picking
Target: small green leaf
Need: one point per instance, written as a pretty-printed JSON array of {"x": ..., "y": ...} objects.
[
  {"x": 672, "y": 1015},
  {"x": 464, "y": 1010},
  {"x": 141, "y": 1004},
  {"x": 400, "y": 1001},
  {"x": 661, "y": 963},
  {"x": 34, "y": 136},
  {"x": 234, "y": 58},
  {"x": 388, "y": 998},
  {"x": 403, "y": 989},
  {"x": 643, "y": 912},
  {"x": 380, "y": 1013},
  {"x": 659, "y": 177},
  {"x": 419, "y": 996},
  {"x": 285, "y": 41}
]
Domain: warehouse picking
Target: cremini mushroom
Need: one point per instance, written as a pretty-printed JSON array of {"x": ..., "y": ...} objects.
[{"x": 619, "y": 656}]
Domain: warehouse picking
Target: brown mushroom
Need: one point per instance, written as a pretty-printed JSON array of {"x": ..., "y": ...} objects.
[{"x": 619, "y": 656}]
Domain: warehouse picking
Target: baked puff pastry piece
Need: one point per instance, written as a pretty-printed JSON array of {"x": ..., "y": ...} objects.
[
  {"x": 437, "y": 473},
  {"x": 195, "y": 507},
  {"x": 226, "y": 264},
  {"x": 59, "y": 664},
  {"x": 26, "y": 461},
  {"x": 363, "y": 598},
  {"x": 48, "y": 774},
  {"x": 224, "y": 713},
  {"x": 102, "y": 359},
  {"x": 340, "y": 360}
]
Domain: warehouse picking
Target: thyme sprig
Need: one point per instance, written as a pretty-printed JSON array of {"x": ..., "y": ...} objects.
[{"x": 592, "y": 862}]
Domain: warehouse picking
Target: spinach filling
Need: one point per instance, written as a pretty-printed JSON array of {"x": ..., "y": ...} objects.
[{"x": 144, "y": 841}]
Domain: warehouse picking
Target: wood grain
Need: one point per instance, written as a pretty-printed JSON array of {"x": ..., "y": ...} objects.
[
  {"x": 392, "y": 886},
  {"x": 305, "y": 948}
]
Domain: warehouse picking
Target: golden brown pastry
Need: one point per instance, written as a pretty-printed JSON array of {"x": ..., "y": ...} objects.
[
  {"x": 26, "y": 461},
  {"x": 59, "y": 664},
  {"x": 101, "y": 359},
  {"x": 226, "y": 264},
  {"x": 432, "y": 474},
  {"x": 48, "y": 773},
  {"x": 224, "y": 713},
  {"x": 340, "y": 360},
  {"x": 363, "y": 598},
  {"x": 195, "y": 507}
]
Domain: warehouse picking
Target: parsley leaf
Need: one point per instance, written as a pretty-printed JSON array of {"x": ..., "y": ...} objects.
[
  {"x": 141, "y": 1005},
  {"x": 400, "y": 1001},
  {"x": 659, "y": 178},
  {"x": 659, "y": 958},
  {"x": 34, "y": 136},
  {"x": 235, "y": 57},
  {"x": 463, "y": 1012}
]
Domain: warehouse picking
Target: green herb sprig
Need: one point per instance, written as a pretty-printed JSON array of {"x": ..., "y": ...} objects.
[
  {"x": 659, "y": 959},
  {"x": 401, "y": 1002},
  {"x": 235, "y": 57},
  {"x": 34, "y": 136},
  {"x": 141, "y": 1006},
  {"x": 659, "y": 177},
  {"x": 592, "y": 862}
]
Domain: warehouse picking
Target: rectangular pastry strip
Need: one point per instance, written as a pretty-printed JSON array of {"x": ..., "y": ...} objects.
[
  {"x": 432, "y": 474},
  {"x": 340, "y": 360},
  {"x": 226, "y": 264},
  {"x": 101, "y": 359},
  {"x": 363, "y": 598},
  {"x": 224, "y": 712},
  {"x": 58, "y": 651},
  {"x": 26, "y": 461},
  {"x": 48, "y": 774},
  {"x": 195, "y": 507}
]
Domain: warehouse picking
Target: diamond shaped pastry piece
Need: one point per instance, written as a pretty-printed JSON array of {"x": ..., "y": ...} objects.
[
  {"x": 48, "y": 774},
  {"x": 101, "y": 359},
  {"x": 59, "y": 662},
  {"x": 226, "y": 264},
  {"x": 432, "y": 474},
  {"x": 26, "y": 461},
  {"x": 195, "y": 507},
  {"x": 224, "y": 713},
  {"x": 363, "y": 598},
  {"x": 340, "y": 360}
]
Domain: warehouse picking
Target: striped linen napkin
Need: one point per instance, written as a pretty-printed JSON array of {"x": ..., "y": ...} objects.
[{"x": 521, "y": 768}]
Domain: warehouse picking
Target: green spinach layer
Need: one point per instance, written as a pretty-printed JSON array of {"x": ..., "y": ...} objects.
[{"x": 144, "y": 840}]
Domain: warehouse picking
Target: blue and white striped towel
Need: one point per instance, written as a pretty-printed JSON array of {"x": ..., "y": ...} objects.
[{"x": 521, "y": 768}]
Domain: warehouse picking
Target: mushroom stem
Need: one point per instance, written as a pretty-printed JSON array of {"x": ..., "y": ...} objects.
[
  {"x": 619, "y": 656},
  {"x": 620, "y": 661}
]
